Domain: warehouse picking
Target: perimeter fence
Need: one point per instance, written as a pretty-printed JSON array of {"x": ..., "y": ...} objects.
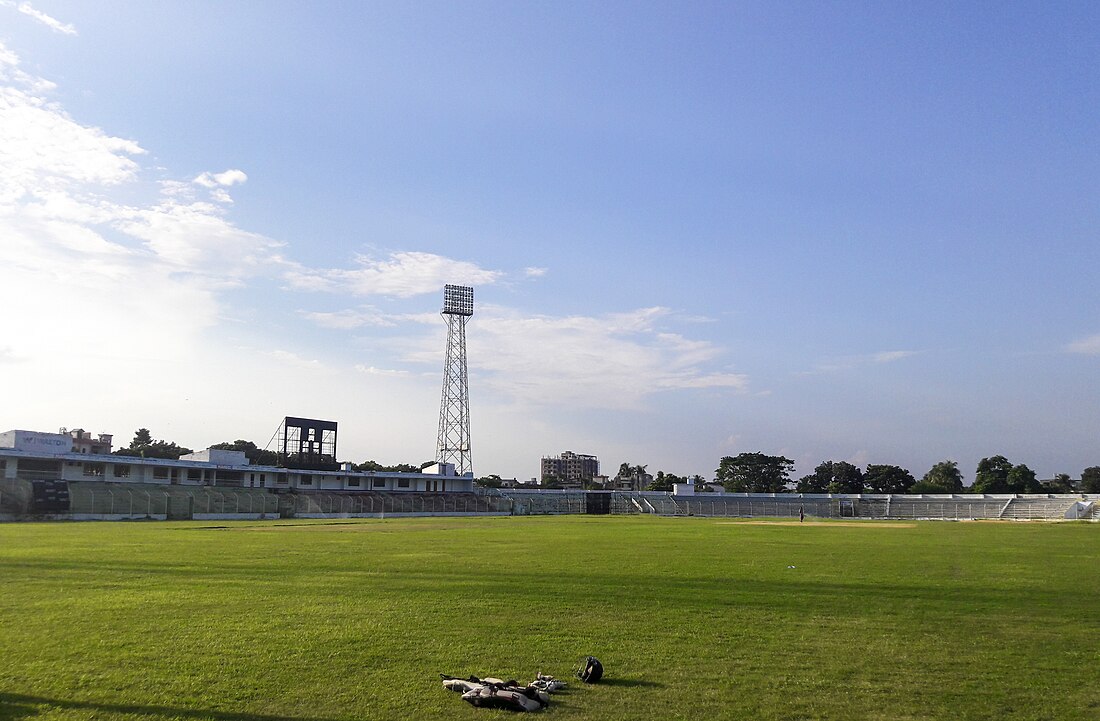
[
  {"x": 135, "y": 500},
  {"x": 378, "y": 503},
  {"x": 21, "y": 498},
  {"x": 727, "y": 505}
]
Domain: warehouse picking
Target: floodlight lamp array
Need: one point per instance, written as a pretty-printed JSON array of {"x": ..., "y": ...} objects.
[{"x": 458, "y": 300}]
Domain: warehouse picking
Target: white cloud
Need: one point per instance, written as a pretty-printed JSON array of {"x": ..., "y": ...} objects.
[
  {"x": 223, "y": 179},
  {"x": 533, "y": 272},
  {"x": 152, "y": 270},
  {"x": 616, "y": 360},
  {"x": 195, "y": 237},
  {"x": 846, "y": 363},
  {"x": 1086, "y": 346},
  {"x": 611, "y": 361},
  {"x": 402, "y": 275},
  {"x": 385, "y": 372},
  {"x": 300, "y": 278},
  {"x": 43, "y": 149},
  {"x": 293, "y": 359},
  {"x": 890, "y": 356},
  {"x": 221, "y": 195},
  {"x": 50, "y": 22},
  {"x": 70, "y": 278},
  {"x": 348, "y": 319}
]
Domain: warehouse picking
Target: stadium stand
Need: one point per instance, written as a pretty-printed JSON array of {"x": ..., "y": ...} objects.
[
  {"x": 745, "y": 506},
  {"x": 106, "y": 499},
  {"x": 380, "y": 503},
  {"x": 624, "y": 504},
  {"x": 663, "y": 504},
  {"x": 1029, "y": 508},
  {"x": 958, "y": 508},
  {"x": 538, "y": 503},
  {"x": 86, "y": 500}
]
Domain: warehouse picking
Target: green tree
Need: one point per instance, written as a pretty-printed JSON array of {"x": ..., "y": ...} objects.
[
  {"x": 397, "y": 468},
  {"x": 944, "y": 477},
  {"x": 409, "y": 467},
  {"x": 754, "y": 473},
  {"x": 634, "y": 472},
  {"x": 887, "y": 479},
  {"x": 846, "y": 478},
  {"x": 992, "y": 475},
  {"x": 832, "y": 477},
  {"x": 1021, "y": 479},
  {"x": 1061, "y": 483},
  {"x": 816, "y": 482},
  {"x": 255, "y": 455},
  {"x": 661, "y": 482},
  {"x": 142, "y": 438},
  {"x": 144, "y": 446},
  {"x": 490, "y": 481},
  {"x": 1090, "y": 480}
]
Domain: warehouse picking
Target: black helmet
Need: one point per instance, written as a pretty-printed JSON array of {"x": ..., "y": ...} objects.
[{"x": 589, "y": 669}]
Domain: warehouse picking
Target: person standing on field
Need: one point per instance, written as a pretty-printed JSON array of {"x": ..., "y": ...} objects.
[{"x": 801, "y": 514}]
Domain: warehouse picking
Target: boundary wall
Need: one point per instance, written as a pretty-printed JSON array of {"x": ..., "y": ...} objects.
[
  {"x": 114, "y": 501},
  {"x": 92, "y": 500},
  {"x": 954, "y": 507}
]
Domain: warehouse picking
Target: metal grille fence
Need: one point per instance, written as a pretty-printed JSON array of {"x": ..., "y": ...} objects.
[
  {"x": 381, "y": 504},
  {"x": 721, "y": 505},
  {"x": 15, "y": 496},
  {"x": 115, "y": 500}
]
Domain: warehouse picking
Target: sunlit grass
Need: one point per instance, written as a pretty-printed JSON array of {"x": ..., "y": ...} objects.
[{"x": 693, "y": 618}]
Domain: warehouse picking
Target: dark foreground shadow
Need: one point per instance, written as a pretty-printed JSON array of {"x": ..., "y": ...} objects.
[
  {"x": 14, "y": 707},
  {"x": 629, "y": 683}
]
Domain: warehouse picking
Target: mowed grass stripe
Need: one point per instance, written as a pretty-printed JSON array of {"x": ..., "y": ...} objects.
[{"x": 354, "y": 619}]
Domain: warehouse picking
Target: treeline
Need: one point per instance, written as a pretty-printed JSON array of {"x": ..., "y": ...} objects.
[
  {"x": 662, "y": 481},
  {"x": 143, "y": 445},
  {"x": 762, "y": 473}
]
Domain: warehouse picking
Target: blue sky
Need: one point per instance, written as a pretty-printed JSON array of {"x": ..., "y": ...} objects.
[{"x": 836, "y": 231}]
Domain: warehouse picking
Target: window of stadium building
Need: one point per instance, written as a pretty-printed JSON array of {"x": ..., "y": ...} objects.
[
  {"x": 93, "y": 469},
  {"x": 353, "y": 483},
  {"x": 379, "y": 483},
  {"x": 403, "y": 483},
  {"x": 122, "y": 471}
]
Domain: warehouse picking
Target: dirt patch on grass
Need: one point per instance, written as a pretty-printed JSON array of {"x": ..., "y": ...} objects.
[{"x": 834, "y": 524}]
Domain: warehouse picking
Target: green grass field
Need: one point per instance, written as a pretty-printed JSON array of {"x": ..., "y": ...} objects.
[{"x": 693, "y": 618}]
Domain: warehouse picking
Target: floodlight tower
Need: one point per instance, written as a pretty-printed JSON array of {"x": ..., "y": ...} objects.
[{"x": 453, "y": 445}]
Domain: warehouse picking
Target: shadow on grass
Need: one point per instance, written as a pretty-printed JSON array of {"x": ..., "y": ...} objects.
[
  {"x": 16, "y": 706},
  {"x": 630, "y": 683}
]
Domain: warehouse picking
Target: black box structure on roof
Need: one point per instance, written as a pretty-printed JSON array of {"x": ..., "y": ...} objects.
[{"x": 308, "y": 444}]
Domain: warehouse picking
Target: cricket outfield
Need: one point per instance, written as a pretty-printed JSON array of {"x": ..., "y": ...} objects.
[{"x": 692, "y": 618}]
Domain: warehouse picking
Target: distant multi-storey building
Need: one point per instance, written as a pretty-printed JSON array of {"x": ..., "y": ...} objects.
[
  {"x": 570, "y": 469},
  {"x": 636, "y": 480},
  {"x": 84, "y": 443}
]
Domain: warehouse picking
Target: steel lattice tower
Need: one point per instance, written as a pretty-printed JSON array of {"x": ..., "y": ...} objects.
[{"x": 453, "y": 445}]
